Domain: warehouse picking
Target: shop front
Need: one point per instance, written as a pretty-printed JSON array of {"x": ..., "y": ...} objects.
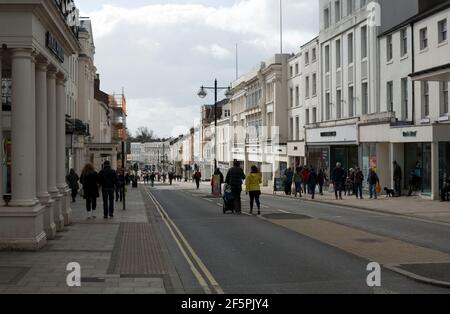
[
  {"x": 328, "y": 146},
  {"x": 296, "y": 154}
]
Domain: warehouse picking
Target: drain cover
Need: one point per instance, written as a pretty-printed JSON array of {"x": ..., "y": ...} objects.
[
  {"x": 282, "y": 216},
  {"x": 12, "y": 275},
  {"x": 440, "y": 272}
]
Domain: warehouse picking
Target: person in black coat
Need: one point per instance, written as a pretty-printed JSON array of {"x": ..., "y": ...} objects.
[
  {"x": 312, "y": 182},
  {"x": 235, "y": 178},
  {"x": 72, "y": 180},
  {"x": 338, "y": 177},
  {"x": 108, "y": 180},
  {"x": 89, "y": 180}
]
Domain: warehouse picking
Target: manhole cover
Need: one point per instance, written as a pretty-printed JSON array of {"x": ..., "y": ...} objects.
[
  {"x": 12, "y": 275},
  {"x": 440, "y": 272},
  {"x": 286, "y": 217},
  {"x": 369, "y": 240}
]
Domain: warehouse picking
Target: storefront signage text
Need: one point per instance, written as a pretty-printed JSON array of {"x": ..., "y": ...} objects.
[
  {"x": 54, "y": 46},
  {"x": 328, "y": 134},
  {"x": 410, "y": 134}
]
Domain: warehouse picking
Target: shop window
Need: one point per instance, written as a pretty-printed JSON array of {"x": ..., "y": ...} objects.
[{"x": 6, "y": 94}]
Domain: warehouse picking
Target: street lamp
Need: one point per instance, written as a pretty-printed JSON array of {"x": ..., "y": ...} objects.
[{"x": 202, "y": 94}]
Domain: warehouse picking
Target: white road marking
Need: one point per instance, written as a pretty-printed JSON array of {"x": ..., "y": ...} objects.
[
  {"x": 197, "y": 273},
  {"x": 283, "y": 211}
]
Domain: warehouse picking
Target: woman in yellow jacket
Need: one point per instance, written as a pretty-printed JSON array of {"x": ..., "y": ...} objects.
[{"x": 253, "y": 187}]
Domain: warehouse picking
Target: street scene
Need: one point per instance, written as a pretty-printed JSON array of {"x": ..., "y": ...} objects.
[{"x": 206, "y": 149}]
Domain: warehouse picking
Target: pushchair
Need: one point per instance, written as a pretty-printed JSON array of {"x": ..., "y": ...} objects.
[{"x": 228, "y": 200}]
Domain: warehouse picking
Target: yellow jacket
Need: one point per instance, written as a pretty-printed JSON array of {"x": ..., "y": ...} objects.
[{"x": 253, "y": 182}]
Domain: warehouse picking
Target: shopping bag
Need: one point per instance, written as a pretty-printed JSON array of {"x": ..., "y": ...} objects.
[
  {"x": 331, "y": 189},
  {"x": 317, "y": 189},
  {"x": 378, "y": 188}
]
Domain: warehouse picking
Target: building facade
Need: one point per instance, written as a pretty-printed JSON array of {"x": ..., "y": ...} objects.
[{"x": 37, "y": 41}]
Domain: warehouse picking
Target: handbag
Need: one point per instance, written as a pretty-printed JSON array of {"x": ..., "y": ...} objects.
[{"x": 378, "y": 188}]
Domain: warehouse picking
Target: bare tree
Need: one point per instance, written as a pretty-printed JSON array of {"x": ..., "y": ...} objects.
[{"x": 143, "y": 135}]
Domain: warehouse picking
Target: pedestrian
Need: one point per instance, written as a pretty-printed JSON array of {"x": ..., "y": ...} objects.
[
  {"x": 219, "y": 174},
  {"x": 235, "y": 178},
  {"x": 349, "y": 183},
  {"x": 89, "y": 179},
  {"x": 108, "y": 181},
  {"x": 152, "y": 179},
  {"x": 397, "y": 179},
  {"x": 358, "y": 182},
  {"x": 171, "y": 176},
  {"x": 298, "y": 181},
  {"x": 305, "y": 174},
  {"x": 445, "y": 190},
  {"x": 253, "y": 187},
  {"x": 288, "y": 177},
  {"x": 338, "y": 178},
  {"x": 373, "y": 182},
  {"x": 197, "y": 178},
  {"x": 72, "y": 180},
  {"x": 321, "y": 178},
  {"x": 120, "y": 186},
  {"x": 312, "y": 182}
]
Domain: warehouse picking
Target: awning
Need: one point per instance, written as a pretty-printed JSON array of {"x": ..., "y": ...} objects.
[{"x": 437, "y": 74}]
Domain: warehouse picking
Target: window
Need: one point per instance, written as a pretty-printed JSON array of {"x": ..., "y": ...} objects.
[
  {"x": 364, "y": 42},
  {"x": 327, "y": 59},
  {"x": 327, "y": 106},
  {"x": 350, "y": 48},
  {"x": 337, "y": 10},
  {"x": 338, "y": 104},
  {"x": 338, "y": 54},
  {"x": 444, "y": 98},
  {"x": 291, "y": 131},
  {"x": 306, "y": 58},
  {"x": 390, "y": 96},
  {"x": 425, "y": 99},
  {"x": 296, "y": 69},
  {"x": 389, "y": 52},
  {"x": 314, "y": 84},
  {"x": 350, "y": 6},
  {"x": 442, "y": 29},
  {"x": 307, "y": 87},
  {"x": 314, "y": 115},
  {"x": 297, "y": 96},
  {"x": 297, "y": 128},
  {"x": 307, "y": 116},
  {"x": 351, "y": 101},
  {"x": 326, "y": 17},
  {"x": 405, "y": 112},
  {"x": 314, "y": 55},
  {"x": 404, "y": 42},
  {"x": 291, "y": 71},
  {"x": 365, "y": 98},
  {"x": 423, "y": 38},
  {"x": 291, "y": 98}
]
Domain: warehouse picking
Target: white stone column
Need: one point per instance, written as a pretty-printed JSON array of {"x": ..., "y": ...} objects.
[
  {"x": 22, "y": 223},
  {"x": 51, "y": 149},
  {"x": 61, "y": 150},
  {"x": 41, "y": 149},
  {"x": 22, "y": 121}
]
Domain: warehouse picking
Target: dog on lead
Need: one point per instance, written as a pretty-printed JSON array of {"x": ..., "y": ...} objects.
[{"x": 389, "y": 192}]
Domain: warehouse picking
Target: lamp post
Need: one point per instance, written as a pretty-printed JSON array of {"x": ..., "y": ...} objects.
[{"x": 202, "y": 94}]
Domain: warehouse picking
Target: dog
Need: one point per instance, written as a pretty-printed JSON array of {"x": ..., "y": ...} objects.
[{"x": 389, "y": 192}]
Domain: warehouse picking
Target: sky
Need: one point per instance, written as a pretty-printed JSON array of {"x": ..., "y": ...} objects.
[{"x": 161, "y": 52}]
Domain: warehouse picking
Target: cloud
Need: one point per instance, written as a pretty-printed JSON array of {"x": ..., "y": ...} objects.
[{"x": 162, "y": 53}]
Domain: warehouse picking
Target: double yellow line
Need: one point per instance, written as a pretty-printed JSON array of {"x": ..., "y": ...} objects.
[{"x": 201, "y": 273}]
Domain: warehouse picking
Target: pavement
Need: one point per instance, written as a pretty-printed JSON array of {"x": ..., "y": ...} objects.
[{"x": 121, "y": 255}]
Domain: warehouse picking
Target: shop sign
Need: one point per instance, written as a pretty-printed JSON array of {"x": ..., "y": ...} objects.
[
  {"x": 410, "y": 134},
  {"x": 54, "y": 46},
  {"x": 328, "y": 134}
]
